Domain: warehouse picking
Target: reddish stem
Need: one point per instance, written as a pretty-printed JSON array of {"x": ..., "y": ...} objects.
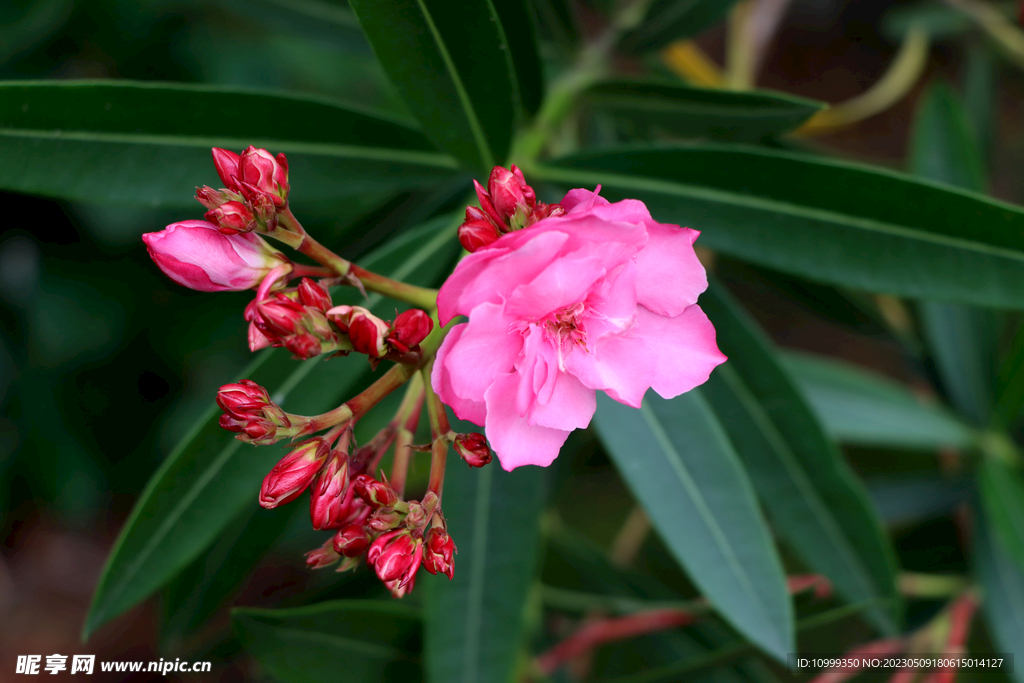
[
  {"x": 882, "y": 648},
  {"x": 302, "y": 270},
  {"x": 961, "y": 614}
]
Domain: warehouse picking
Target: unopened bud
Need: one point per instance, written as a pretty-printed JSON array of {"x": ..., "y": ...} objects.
[
  {"x": 249, "y": 412},
  {"x": 326, "y": 509},
  {"x": 477, "y": 231},
  {"x": 416, "y": 517},
  {"x": 294, "y": 473},
  {"x": 267, "y": 174},
  {"x": 400, "y": 589},
  {"x": 367, "y": 332},
  {"x": 409, "y": 329},
  {"x": 395, "y": 556},
  {"x": 487, "y": 207},
  {"x": 352, "y": 541},
  {"x": 303, "y": 346},
  {"x": 438, "y": 557},
  {"x": 280, "y": 315},
  {"x": 232, "y": 218},
  {"x": 473, "y": 449},
  {"x": 377, "y": 494},
  {"x": 506, "y": 189},
  {"x": 324, "y": 556},
  {"x": 211, "y": 198},
  {"x": 226, "y": 163},
  {"x": 314, "y": 294},
  {"x": 384, "y": 519}
]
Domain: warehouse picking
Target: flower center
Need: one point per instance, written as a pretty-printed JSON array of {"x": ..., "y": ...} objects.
[{"x": 566, "y": 325}]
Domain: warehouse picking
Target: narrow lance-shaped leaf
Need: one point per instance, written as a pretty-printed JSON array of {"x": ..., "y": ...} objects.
[
  {"x": 452, "y": 65},
  {"x": 831, "y": 221},
  {"x": 820, "y": 508},
  {"x": 1002, "y": 495},
  {"x": 349, "y": 640},
  {"x": 475, "y": 623},
  {"x": 681, "y": 467},
  {"x": 962, "y": 339},
  {"x": 210, "y": 477},
  {"x": 149, "y": 143},
  {"x": 1002, "y": 584},
  {"x": 669, "y": 20},
  {"x": 857, "y": 406}
]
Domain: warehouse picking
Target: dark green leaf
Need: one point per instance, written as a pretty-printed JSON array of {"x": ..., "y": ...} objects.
[
  {"x": 1002, "y": 584},
  {"x": 961, "y": 339},
  {"x": 818, "y": 505},
  {"x": 1002, "y": 494},
  {"x": 906, "y": 500},
  {"x": 149, "y": 143},
  {"x": 670, "y": 20},
  {"x": 475, "y": 623},
  {"x": 860, "y": 407},
  {"x": 680, "y": 465},
  {"x": 831, "y": 221},
  {"x": 210, "y": 477},
  {"x": 696, "y": 112},
  {"x": 518, "y": 27},
  {"x": 362, "y": 641},
  {"x": 1010, "y": 383},
  {"x": 452, "y": 64}
]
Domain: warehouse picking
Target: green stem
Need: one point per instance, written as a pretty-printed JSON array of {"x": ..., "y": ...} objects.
[{"x": 406, "y": 419}]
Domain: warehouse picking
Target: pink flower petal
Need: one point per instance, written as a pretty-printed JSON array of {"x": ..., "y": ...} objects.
[
  {"x": 684, "y": 346},
  {"x": 485, "y": 348},
  {"x": 514, "y": 440},
  {"x": 440, "y": 380},
  {"x": 671, "y": 277},
  {"x": 622, "y": 366}
]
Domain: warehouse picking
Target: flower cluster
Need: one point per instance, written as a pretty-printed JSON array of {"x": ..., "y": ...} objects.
[{"x": 562, "y": 299}]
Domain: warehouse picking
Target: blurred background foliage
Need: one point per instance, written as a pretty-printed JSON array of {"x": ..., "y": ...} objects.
[{"x": 104, "y": 363}]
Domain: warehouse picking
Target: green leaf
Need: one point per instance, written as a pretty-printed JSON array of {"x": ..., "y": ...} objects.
[
  {"x": 961, "y": 339},
  {"x": 677, "y": 460},
  {"x": 362, "y": 641},
  {"x": 517, "y": 24},
  {"x": 211, "y": 477},
  {"x": 910, "y": 499},
  {"x": 1002, "y": 495},
  {"x": 1010, "y": 383},
  {"x": 831, "y": 221},
  {"x": 671, "y": 20},
  {"x": 857, "y": 406},
  {"x": 149, "y": 143},
  {"x": 697, "y": 112},
  {"x": 1002, "y": 584},
  {"x": 452, "y": 64},
  {"x": 475, "y": 623},
  {"x": 819, "y": 507}
]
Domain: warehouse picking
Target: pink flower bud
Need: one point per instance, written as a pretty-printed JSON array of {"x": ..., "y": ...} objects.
[
  {"x": 473, "y": 449},
  {"x": 197, "y": 255},
  {"x": 226, "y": 163},
  {"x": 249, "y": 412},
  {"x": 377, "y": 494},
  {"x": 279, "y": 315},
  {"x": 384, "y": 519},
  {"x": 409, "y": 329},
  {"x": 314, "y": 294},
  {"x": 324, "y": 556},
  {"x": 259, "y": 169},
  {"x": 477, "y": 231},
  {"x": 257, "y": 340},
  {"x": 398, "y": 588},
  {"x": 242, "y": 399},
  {"x": 294, "y": 473},
  {"x": 303, "y": 346},
  {"x": 352, "y": 540},
  {"x": 232, "y": 218},
  {"x": 438, "y": 557},
  {"x": 416, "y": 517},
  {"x": 395, "y": 556},
  {"x": 367, "y": 332},
  {"x": 506, "y": 190},
  {"x": 211, "y": 198},
  {"x": 327, "y": 494}
]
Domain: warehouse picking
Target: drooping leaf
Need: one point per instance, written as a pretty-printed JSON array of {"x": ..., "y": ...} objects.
[
  {"x": 697, "y": 112},
  {"x": 1002, "y": 494},
  {"x": 669, "y": 20},
  {"x": 681, "y": 467},
  {"x": 149, "y": 143},
  {"x": 350, "y": 640},
  {"x": 475, "y": 623},
  {"x": 452, "y": 64},
  {"x": 832, "y": 221},
  {"x": 857, "y": 406},
  {"x": 819, "y": 507},
  {"x": 961, "y": 338},
  {"x": 1002, "y": 584},
  {"x": 210, "y": 477}
]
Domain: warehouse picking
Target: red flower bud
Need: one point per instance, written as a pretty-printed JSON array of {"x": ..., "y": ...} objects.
[
  {"x": 249, "y": 411},
  {"x": 506, "y": 190},
  {"x": 242, "y": 399},
  {"x": 268, "y": 175},
  {"x": 477, "y": 231},
  {"x": 324, "y": 556},
  {"x": 294, "y": 473},
  {"x": 303, "y": 346},
  {"x": 226, "y": 163},
  {"x": 473, "y": 449},
  {"x": 409, "y": 329},
  {"x": 232, "y": 218},
  {"x": 399, "y": 589},
  {"x": 395, "y": 556},
  {"x": 377, "y": 494},
  {"x": 211, "y": 198},
  {"x": 257, "y": 340},
  {"x": 314, "y": 294},
  {"x": 279, "y": 315},
  {"x": 487, "y": 207},
  {"x": 439, "y": 552},
  {"x": 367, "y": 332},
  {"x": 326, "y": 500},
  {"x": 352, "y": 540},
  {"x": 384, "y": 519}
]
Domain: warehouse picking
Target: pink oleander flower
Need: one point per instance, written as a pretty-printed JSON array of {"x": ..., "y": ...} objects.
[
  {"x": 600, "y": 298},
  {"x": 196, "y": 254}
]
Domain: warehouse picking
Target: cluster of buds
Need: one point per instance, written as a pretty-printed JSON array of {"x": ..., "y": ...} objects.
[
  {"x": 256, "y": 188},
  {"x": 295, "y": 319},
  {"x": 250, "y": 413},
  {"x": 507, "y": 204},
  {"x": 377, "y": 338}
]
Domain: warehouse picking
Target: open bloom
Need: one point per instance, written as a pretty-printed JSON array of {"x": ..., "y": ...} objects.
[
  {"x": 196, "y": 254},
  {"x": 600, "y": 298}
]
